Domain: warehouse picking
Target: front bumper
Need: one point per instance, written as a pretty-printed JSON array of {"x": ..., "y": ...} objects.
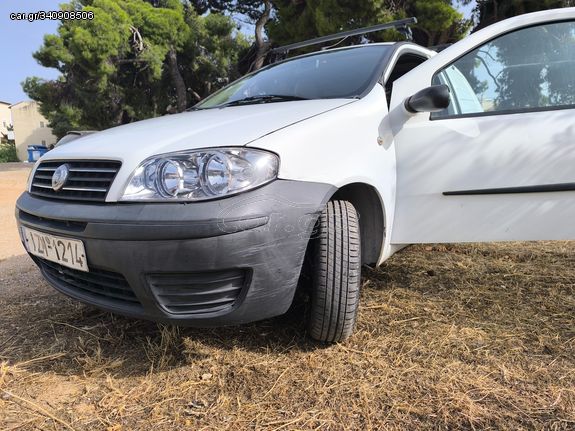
[{"x": 220, "y": 262}]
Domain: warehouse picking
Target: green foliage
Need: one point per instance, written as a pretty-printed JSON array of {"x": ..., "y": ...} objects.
[
  {"x": 210, "y": 55},
  {"x": 252, "y": 9},
  {"x": 8, "y": 151},
  {"x": 115, "y": 68},
  {"x": 490, "y": 11},
  {"x": 435, "y": 15},
  {"x": 295, "y": 21},
  {"x": 439, "y": 20}
]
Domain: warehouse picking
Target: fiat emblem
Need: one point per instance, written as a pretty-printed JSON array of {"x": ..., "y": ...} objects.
[{"x": 60, "y": 177}]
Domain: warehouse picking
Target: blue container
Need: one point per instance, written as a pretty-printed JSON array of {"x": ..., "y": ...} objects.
[{"x": 35, "y": 152}]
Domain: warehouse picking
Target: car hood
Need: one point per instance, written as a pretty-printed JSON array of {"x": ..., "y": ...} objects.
[{"x": 231, "y": 126}]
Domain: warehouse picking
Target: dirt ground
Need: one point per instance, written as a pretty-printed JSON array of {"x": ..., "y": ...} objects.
[
  {"x": 13, "y": 178},
  {"x": 449, "y": 337}
]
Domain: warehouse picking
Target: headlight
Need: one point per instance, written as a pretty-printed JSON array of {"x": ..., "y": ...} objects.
[{"x": 201, "y": 174}]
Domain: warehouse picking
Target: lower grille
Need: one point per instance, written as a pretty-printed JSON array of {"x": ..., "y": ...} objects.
[
  {"x": 89, "y": 180},
  {"x": 71, "y": 226},
  {"x": 98, "y": 284},
  {"x": 198, "y": 293}
]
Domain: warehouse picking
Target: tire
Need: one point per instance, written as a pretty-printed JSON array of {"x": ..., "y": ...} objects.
[{"x": 336, "y": 273}]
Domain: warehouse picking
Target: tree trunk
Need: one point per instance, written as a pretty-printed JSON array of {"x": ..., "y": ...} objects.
[
  {"x": 262, "y": 46},
  {"x": 178, "y": 81}
]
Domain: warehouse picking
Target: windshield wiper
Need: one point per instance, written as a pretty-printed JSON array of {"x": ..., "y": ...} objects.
[{"x": 267, "y": 98}]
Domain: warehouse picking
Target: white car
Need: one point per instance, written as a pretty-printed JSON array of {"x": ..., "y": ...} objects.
[{"x": 314, "y": 165}]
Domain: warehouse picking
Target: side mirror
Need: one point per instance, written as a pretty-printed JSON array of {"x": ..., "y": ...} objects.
[{"x": 430, "y": 99}]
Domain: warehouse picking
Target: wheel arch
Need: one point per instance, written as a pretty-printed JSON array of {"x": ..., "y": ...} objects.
[{"x": 371, "y": 212}]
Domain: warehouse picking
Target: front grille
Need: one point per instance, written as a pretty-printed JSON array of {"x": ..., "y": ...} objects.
[
  {"x": 98, "y": 284},
  {"x": 89, "y": 180},
  {"x": 198, "y": 293}
]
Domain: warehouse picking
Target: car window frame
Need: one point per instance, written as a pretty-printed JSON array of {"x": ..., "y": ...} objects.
[
  {"x": 400, "y": 49},
  {"x": 506, "y": 111}
]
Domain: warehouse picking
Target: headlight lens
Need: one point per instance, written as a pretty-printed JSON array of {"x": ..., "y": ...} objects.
[{"x": 201, "y": 174}]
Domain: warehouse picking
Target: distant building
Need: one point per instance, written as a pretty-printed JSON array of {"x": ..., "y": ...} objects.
[
  {"x": 30, "y": 128},
  {"x": 5, "y": 119}
]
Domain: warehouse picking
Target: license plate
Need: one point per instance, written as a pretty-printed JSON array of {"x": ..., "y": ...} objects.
[{"x": 65, "y": 251}]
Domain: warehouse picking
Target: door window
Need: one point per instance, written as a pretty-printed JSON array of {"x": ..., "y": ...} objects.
[{"x": 527, "y": 70}]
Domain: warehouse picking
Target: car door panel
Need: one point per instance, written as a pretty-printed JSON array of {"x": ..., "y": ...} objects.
[
  {"x": 474, "y": 154},
  {"x": 488, "y": 176}
]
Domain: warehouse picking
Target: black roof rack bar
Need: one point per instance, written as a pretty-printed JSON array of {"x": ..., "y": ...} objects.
[{"x": 400, "y": 24}]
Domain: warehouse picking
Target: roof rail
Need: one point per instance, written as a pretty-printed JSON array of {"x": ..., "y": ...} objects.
[{"x": 401, "y": 25}]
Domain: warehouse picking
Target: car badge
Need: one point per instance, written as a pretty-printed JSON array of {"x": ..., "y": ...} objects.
[{"x": 60, "y": 177}]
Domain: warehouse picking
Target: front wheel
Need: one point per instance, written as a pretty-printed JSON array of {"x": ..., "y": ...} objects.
[{"x": 336, "y": 273}]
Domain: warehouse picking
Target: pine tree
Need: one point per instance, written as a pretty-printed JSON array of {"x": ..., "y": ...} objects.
[
  {"x": 134, "y": 60},
  {"x": 488, "y": 12}
]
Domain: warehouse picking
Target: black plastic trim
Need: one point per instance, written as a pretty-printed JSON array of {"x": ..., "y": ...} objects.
[
  {"x": 170, "y": 221},
  {"x": 271, "y": 256},
  {"x": 200, "y": 285},
  {"x": 543, "y": 188},
  {"x": 506, "y": 112},
  {"x": 120, "y": 299},
  {"x": 398, "y": 24},
  {"x": 430, "y": 99}
]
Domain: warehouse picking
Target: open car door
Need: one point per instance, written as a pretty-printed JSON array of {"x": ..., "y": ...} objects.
[{"x": 499, "y": 163}]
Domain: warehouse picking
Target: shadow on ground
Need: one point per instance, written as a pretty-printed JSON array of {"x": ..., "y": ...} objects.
[{"x": 37, "y": 321}]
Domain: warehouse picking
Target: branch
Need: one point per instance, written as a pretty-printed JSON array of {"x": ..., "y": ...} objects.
[
  {"x": 137, "y": 39},
  {"x": 261, "y": 45}
]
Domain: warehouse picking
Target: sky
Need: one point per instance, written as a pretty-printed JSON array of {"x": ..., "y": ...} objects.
[
  {"x": 22, "y": 38},
  {"x": 19, "y": 40}
]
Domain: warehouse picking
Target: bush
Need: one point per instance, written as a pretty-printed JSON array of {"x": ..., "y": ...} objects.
[{"x": 8, "y": 152}]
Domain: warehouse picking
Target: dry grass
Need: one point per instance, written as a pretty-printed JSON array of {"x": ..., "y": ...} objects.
[{"x": 456, "y": 337}]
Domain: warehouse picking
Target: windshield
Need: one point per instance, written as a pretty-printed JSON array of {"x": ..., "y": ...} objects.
[{"x": 341, "y": 74}]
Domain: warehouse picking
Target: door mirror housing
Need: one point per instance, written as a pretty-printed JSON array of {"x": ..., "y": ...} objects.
[{"x": 430, "y": 99}]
